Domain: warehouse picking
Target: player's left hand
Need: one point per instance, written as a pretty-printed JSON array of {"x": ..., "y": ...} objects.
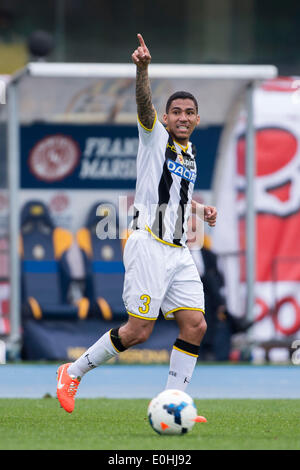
[
  {"x": 210, "y": 215},
  {"x": 141, "y": 56}
]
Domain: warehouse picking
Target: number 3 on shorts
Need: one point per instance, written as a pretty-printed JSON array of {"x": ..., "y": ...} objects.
[{"x": 146, "y": 301}]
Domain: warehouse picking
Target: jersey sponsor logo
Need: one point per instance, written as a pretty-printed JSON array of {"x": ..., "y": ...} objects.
[
  {"x": 181, "y": 171},
  {"x": 188, "y": 162}
]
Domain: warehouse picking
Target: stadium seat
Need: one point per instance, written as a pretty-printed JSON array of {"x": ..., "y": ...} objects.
[
  {"x": 104, "y": 262},
  {"x": 45, "y": 275}
]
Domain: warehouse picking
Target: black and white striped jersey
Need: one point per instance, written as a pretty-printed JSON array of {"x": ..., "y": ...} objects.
[{"x": 166, "y": 174}]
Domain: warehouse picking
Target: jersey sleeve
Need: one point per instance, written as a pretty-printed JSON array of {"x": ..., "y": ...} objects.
[{"x": 147, "y": 135}]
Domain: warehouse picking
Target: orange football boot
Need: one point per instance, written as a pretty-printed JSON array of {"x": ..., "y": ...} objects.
[{"x": 67, "y": 386}]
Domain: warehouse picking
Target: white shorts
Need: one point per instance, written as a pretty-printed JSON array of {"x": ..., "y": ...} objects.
[{"x": 159, "y": 276}]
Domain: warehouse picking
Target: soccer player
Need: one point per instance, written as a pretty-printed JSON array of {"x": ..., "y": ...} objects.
[{"x": 159, "y": 270}]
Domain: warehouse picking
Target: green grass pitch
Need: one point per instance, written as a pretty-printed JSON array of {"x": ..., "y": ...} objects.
[{"x": 118, "y": 424}]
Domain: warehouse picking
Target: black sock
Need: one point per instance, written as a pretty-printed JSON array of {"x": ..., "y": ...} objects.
[{"x": 116, "y": 340}]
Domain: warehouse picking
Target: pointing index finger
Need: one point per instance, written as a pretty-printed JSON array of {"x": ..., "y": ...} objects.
[{"x": 140, "y": 38}]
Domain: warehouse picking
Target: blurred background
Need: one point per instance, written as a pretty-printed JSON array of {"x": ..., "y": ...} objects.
[
  {"x": 76, "y": 147},
  {"x": 203, "y": 31}
]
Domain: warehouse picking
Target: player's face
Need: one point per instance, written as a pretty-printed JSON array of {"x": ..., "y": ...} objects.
[{"x": 181, "y": 119}]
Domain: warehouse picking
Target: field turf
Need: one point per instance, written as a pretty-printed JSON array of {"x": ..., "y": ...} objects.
[{"x": 118, "y": 424}]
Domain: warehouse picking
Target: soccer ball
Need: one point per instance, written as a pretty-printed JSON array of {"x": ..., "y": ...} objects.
[{"x": 172, "y": 412}]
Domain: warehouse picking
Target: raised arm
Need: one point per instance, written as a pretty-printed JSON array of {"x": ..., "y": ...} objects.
[{"x": 145, "y": 109}]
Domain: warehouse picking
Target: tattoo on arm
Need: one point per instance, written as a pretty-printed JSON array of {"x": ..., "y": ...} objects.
[{"x": 145, "y": 108}]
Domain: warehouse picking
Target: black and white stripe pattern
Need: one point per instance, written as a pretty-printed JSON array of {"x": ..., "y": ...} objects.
[
  {"x": 164, "y": 199},
  {"x": 165, "y": 181}
]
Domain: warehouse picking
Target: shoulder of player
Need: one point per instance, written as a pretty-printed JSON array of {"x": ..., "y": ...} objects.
[
  {"x": 154, "y": 136},
  {"x": 157, "y": 127}
]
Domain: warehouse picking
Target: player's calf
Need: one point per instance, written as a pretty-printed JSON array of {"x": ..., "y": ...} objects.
[
  {"x": 135, "y": 331},
  {"x": 192, "y": 325}
]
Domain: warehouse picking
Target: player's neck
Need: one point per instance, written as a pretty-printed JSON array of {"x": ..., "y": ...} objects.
[{"x": 183, "y": 143}]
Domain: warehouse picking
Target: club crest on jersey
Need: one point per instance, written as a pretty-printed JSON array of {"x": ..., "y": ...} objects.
[
  {"x": 179, "y": 170},
  {"x": 180, "y": 158}
]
